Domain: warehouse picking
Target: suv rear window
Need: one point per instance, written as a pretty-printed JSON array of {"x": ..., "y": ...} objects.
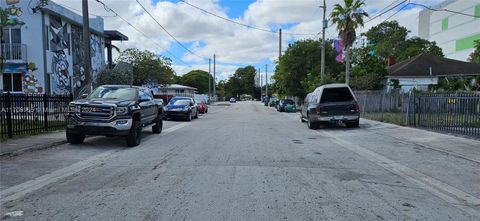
[{"x": 336, "y": 95}]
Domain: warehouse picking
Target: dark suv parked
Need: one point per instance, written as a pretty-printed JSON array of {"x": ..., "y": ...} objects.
[
  {"x": 181, "y": 107},
  {"x": 331, "y": 103},
  {"x": 114, "y": 110}
]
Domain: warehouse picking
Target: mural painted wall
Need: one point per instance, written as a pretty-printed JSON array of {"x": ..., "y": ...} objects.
[
  {"x": 59, "y": 41},
  {"x": 31, "y": 84},
  {"x": 79, "y": 86},
  {"x": 97, "y": 54}
]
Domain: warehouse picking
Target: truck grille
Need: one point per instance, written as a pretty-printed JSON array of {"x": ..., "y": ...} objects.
[{"x": 96, "y": 112}]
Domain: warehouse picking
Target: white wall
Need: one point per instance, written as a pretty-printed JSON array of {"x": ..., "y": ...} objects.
[{"x": 459, "y": 26}]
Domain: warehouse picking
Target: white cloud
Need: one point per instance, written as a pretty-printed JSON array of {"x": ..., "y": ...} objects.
[{"x": 233, "y": 44}]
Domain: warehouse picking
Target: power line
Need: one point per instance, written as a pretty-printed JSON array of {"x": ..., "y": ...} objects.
[
  {"x": 179, "y": 43},
  {"x": 385, "y": 11},
  {"x": 446, "y": 10},
  {"x": 136, "y": 29},
  {"x": 80, "y": 11},
  {"x": 239, "y": 23}
]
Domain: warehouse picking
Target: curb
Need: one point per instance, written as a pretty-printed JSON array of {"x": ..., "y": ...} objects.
[{"x": 32, "y": 148}]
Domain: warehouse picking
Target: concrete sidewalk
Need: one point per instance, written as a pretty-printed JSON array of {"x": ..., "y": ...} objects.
[
  {"x": 463, "y": 147},
  {"x": 35, "y": 142}
]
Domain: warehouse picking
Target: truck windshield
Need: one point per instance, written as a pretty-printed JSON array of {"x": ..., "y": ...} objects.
[
  {"x": 114, "y": 93},
  {"x": 339, "y": 94}
]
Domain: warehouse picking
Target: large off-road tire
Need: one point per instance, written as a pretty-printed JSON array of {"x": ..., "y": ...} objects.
[
  {"x": 157, "y": 127},
  {"x": 311, "y": 125},
  {"x": 75, "y": 138},
  {"x": 135, "y": 136}
]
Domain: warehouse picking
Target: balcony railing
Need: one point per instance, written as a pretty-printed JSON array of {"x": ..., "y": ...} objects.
[{"x": 14, "y": 52}]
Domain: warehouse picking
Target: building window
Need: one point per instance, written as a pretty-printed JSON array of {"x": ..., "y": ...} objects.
[
  {"x": 179, "y": 91},
  {"x": 12, "y": 82},
  {"x": 444, "y": 24},
  {"x": 12, "y": 36}
]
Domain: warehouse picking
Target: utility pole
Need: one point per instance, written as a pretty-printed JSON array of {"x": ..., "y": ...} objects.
[
  {"x": 260, "y": 82},
  {"x": 280, "y": 45},
  {"x": 324, "y": 22},
  {"x": 214, "y": 79},
  {"x": 87, "y": 63},
  {"x": 266, "y": 81},
  {"x": 209, "y": 76}
]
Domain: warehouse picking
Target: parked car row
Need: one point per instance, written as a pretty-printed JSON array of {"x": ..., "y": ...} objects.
[
  {"x": 184, "y": 108},
  {"x": 122, "y": 110}
]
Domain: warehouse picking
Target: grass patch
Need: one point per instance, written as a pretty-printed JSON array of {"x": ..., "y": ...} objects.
[{"x": 392, "y": 118}]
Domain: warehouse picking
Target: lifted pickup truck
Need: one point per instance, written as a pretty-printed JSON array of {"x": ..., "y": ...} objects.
[{"x": 114, "y": 110}]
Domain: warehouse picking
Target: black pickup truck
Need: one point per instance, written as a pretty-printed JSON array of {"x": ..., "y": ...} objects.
[
  {"x": 331, "y": 103},
  {"x": 114, "y": 110}
]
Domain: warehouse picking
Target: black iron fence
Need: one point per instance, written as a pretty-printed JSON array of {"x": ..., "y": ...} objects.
[
  {"x": 445, "y": 112},
  {"x": 24, "y": 114}
]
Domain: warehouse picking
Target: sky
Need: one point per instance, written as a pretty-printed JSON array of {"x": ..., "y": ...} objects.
[{"x": 234, "y": 45}]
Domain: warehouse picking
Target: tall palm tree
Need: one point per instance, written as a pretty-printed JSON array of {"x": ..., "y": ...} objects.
[{"x": 348, "y": 17}]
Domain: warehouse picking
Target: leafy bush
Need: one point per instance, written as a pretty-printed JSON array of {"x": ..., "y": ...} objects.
[{"x": 113, "y": 76}]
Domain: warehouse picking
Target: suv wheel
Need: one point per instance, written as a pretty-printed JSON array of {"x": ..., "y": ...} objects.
[
  {"x": 311, "y": 125},
  {"x": 189, "y": 118},
  {"x": 75, "y": 138},
  {"x": 157, "y": 128},
  {"x": 135, "y": 135}
]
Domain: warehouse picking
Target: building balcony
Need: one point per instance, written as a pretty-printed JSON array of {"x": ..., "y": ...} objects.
[{"x": 14, "y": 53}]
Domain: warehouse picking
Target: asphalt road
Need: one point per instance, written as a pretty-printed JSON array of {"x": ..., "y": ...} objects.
[{"x": 249, "y": 162}]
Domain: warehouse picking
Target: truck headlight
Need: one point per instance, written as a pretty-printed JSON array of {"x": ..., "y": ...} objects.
[
  {"x": 121, "y": 110},
  {"x": 72, "y": 108}
]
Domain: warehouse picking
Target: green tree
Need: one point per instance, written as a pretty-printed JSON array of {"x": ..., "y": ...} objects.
[
  {"x": 475, "y": 55},
  {"x": 386, "y": 38},
  {"x": 415, "y": 46},
  {"x": 348, "y": 18},
  {"x": 298, "y": 71},
  {"x": 220, "y": 88},
  {"x": 241, "y": 82},
  {"x": 368, "y": 71},
  {"x": 110, "y": 76},
  {"x": 390, "y": 39},
  {"x": 148, "y": 67},
  {"x": 197, "y": 79}
]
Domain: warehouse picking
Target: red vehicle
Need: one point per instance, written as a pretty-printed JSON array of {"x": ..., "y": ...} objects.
[{"x": 202, "y": 107}]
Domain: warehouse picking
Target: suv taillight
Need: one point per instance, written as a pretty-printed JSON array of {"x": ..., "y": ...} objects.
[
  {"x": 357, "y": 107},
  {"x": 318, "y": 109}
]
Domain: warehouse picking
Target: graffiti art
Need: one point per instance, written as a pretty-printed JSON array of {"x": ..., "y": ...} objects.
[
  {"x": 31, "y": 84},
  {"x": 60, "y": 40},
  {"x": 61, "y": 78}
]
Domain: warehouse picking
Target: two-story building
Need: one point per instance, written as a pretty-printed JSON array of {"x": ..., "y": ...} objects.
[{"x": 42, "y": 48}]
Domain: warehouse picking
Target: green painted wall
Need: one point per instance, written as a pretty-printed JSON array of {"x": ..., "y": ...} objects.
[
  {"x": 466, "y": 43},
  {"x": 477, "y": 10},
  {"x": 444, "y": 24}
]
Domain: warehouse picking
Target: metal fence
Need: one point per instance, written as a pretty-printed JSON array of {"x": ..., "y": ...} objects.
[
  {"x": 24, "y": 114},
  {"x": 452, "y": 113}
]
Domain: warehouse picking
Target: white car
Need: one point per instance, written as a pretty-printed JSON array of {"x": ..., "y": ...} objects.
[{"x": 233, "y": 100}]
